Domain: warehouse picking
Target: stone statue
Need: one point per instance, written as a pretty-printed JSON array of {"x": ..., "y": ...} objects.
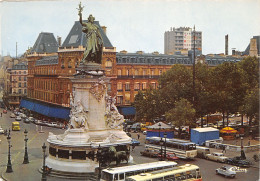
[
  {"x": 94, "y": 45},
  {"x": 114, "y": 119},
  {"x": 78, "y": 117}
]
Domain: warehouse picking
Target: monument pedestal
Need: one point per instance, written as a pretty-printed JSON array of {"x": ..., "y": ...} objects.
[{"x": 95, "y": 126}]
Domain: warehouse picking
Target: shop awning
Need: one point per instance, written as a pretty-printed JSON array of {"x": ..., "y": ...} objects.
[
  {"x": 126, "y": 111},
  {"x": 45, "y": 109}
]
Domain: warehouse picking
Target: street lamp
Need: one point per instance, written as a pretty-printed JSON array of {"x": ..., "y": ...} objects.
[
  {"x": 243, "y": 156},
  {"x": 44, "y": 178},
  {"x": 165, "y": 136},
  {"x": 9, "y": 164},
  {"x": 159, "y": 129},
  {"x": 161, "y": 143},
  {"x": 26, "y": 158},
  {"x": 99, "y": 155}
]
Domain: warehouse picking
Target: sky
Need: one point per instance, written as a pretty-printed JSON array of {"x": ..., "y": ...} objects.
[{"x": 132, "y": 25}]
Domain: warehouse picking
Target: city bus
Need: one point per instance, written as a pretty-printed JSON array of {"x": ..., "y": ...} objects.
[
  {"x": 185, "y": 172},
  {"x": 182, "y": 149},
  {"x": 121, "y": 173}
]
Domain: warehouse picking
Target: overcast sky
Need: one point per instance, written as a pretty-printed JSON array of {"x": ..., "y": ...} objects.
[{"x": 133, "y": 25}]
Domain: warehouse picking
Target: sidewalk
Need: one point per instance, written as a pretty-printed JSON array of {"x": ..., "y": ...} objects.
[{"x": 24, "y": 172}]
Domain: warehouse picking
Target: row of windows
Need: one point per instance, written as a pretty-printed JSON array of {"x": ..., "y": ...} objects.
[
  {"x": 19, "y": 91},
  {"x": 137, "y": 72},
  {"x": 20, "y": 84},
  {"x": 45, "y": 71},
  {"x": 20, "y": 78},
  {"x": 19, "y": 72},
  {"x": 46, "y": 85},
  {"x": 137, "y": 86}
]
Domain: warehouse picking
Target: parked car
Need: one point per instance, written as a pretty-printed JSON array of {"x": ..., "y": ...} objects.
[
  {"x": 238, "y": 161},
  {"x": 26, "y": 120},
  {"x": 1, "y": 130},
  {"x": 4, "y": 111},
  {"x": 145, "y": 132},
  {"x": 219, "y": 157},
  {"x": 18, "y": 118},
  {"x": 135, "y": 142},
  {"x": 12, "y": 115},
  {"x": 31, "y": 119},
  {"x": 23, "y": 115},
  {"x": 150, "y": 153},
  {"x": 169, "y": 156},
  {"x": 227, "y": 171},
  {"x": 52, "y": 124}
]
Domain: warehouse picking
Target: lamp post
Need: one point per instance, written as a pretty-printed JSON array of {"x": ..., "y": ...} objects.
[
  {"x": 99, "y": 161},
  {"x": 243, "y": 156},
  {"x": 9, "y": 164},
  {"x": 161, "y": 143},
  {"x": 159, "y": 129},
  {"x": 26, "y": 158},
  {"x": 44, "y": 178},
  {"x": 165, "y": 136}
]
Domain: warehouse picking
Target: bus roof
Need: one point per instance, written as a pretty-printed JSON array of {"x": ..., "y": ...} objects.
[
  {"x": 164, "y": 172},
  {"x": 140, "y": 167},
  {"x": 184, "y": 142}
]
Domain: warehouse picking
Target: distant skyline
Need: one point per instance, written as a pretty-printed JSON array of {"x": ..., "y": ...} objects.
[{"x": 132, "y": 25}]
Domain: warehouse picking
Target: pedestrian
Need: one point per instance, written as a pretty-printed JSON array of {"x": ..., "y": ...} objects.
[
  {"x": 1, "y": 114},
  {"x": 133, "y": 147},
  {"x": 249, "y": 142},
  {"x": 224, "y": 149},
  {"x": 138, "y": 135}
]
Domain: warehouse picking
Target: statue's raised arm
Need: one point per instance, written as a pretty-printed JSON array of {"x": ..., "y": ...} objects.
[{"x": 80, "y": 9}]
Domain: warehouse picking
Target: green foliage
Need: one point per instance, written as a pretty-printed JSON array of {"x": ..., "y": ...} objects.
[
  {"x": 227, "y": 88},
  {"x": 182, "y": 114}
]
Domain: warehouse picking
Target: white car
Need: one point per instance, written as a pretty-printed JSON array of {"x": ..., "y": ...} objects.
[
  {"x": 52, "y": 124},
  {"x": 18, "y": 118},
  {"x": 218, "y": 157},
  {"x": 12, "y": 115},
  {"x": 1, "y": 130},
  {"x": 227, "y": 171}
]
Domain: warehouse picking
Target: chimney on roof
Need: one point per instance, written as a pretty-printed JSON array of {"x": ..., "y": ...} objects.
[
  {"x": 123, "y": 51},
  {"x": 104, "y": 29},
  {"x": 59, "y": 40},
  {"x": 155, "y": 53}
]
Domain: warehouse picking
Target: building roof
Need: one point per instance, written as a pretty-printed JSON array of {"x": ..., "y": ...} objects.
[
  {"x": 209, "y": 129},
  {"x": 246, "y": 52},
  {"x": 217, "y": 59},
  {"x": 76, "y": 37},
  {"x": 151, "y": 59},
  {"x": 49, "y": 60},
  {"x": 20, "y": 66},
  {"x": 45, "y": 43}
]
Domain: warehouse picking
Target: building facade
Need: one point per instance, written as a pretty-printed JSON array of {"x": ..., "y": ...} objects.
[
  {"x": 181, "y": 38},
  {"x": 16, "y": 85},
  {"x": 49, "y": 76}
]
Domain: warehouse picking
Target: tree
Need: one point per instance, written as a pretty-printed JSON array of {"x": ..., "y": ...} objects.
[
  {"x": 251, "y": 105},
  {"x": 181, "y": 115}
]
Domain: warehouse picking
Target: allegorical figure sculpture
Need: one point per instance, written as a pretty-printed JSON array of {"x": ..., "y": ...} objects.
[
  {"x": 78, "y": 116},
  {"x": 94, "y": 45}
]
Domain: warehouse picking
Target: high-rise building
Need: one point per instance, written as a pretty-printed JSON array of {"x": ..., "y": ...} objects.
[{"x": 181, "y": 38}]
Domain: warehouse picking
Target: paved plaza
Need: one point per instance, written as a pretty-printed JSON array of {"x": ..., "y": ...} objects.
[{"x": 30, "y": 172}]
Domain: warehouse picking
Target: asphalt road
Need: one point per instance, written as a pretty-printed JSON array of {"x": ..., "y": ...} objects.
[{"x": 37, "y": 139}]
